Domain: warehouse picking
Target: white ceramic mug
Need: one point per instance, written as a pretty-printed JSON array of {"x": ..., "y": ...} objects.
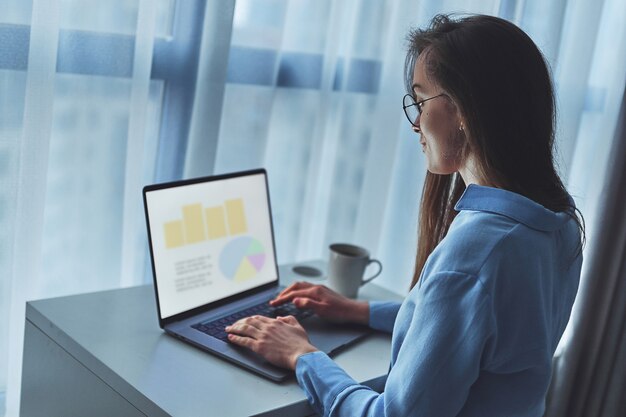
[{"x": 346, "y": 266}]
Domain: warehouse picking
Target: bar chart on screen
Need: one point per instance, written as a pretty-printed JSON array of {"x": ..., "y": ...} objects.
[
  {"x": 241, "y": 257},
  {"x": 199, "y": 224}
]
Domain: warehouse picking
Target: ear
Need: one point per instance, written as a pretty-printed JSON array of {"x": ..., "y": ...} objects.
[
  {"x": 459, "y": 114},
  {"x": 461, "y": 126},
  {"x": 461, "y": 121}
]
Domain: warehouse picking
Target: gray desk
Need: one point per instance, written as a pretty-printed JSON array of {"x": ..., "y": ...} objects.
[{"x": 103, "y": 354}]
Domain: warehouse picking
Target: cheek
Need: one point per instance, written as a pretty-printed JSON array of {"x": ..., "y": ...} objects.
[
  {"x": 452, "y": 147},
  {"x": 436, "y": 128},
  {"x": 444, "y": 147}
]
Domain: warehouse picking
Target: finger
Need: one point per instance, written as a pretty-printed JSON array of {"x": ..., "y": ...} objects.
[
  {"x": 259, "y": 321},
  {"x": 242, "y": 341},
  {"x": 244, "y": 329},
  {"x": 288, "y": 319},
  {"x": 256, "y": 321},
  {"x": 310, "y": 292},
  {"x": 309, "y": 303},
  {"x": 299, "y": 285},
  {"x": 293, "y": 287},
  {"x": 286, "y": 291}
]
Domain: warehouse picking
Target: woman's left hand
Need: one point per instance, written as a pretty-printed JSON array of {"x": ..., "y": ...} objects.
[{"x": 281, "y": 341}]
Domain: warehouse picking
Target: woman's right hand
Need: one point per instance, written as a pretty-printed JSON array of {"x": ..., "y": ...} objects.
[{"x": 324, "y": 302}]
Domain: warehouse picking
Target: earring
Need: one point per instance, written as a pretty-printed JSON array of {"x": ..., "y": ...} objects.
[{"x": 461, "y": 127}]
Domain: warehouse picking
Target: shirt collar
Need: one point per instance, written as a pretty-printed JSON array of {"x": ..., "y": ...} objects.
[{"x": 512, "y": 205}]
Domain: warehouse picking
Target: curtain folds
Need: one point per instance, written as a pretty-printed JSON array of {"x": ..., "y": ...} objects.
[
  {"x": 105, "y": 107},
  {"x": 133, "y": 255},
  {"x": 313, "y": 92},
  {"x": 209, "y": 94},
  {"x": 590, "y": 374},
  {"x": 31, "y": 182}
]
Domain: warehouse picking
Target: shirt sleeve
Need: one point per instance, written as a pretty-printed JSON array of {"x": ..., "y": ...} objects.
[
  {"x": 383, "y": 315},
  {"x": 441, "y": 343}
]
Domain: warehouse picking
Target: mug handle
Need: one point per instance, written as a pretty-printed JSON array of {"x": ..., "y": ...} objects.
[{"x": 380, "y": 269}]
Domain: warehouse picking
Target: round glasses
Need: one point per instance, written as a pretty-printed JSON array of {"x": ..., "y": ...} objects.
[{"x": 413, "y": 108}]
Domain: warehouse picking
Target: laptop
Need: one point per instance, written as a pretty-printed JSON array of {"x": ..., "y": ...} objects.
[{"x": 214, "y": 262}]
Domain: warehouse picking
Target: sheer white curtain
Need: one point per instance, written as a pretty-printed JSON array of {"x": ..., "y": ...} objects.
[
  {"x": 97, "y": 98},
  {"x": 96, "y": 101},
  {"x": 71, "y": 146}
]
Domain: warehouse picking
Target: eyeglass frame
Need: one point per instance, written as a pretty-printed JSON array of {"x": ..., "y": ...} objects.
[{"x": 418, "y": 104}]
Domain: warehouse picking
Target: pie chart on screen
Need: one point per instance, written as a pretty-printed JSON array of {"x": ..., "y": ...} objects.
[{"x": 242, "y": 258}]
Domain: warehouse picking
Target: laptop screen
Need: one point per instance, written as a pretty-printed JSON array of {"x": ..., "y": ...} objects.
[{"x": 210, "y": 238}]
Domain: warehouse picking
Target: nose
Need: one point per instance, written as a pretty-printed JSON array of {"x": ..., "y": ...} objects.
[{"x": 416, "y": 125}]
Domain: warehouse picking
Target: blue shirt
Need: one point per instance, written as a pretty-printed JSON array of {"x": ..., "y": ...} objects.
[{"x": 476, "y": 336}]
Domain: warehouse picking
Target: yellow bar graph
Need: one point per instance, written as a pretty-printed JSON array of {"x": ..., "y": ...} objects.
[
  {"x": 216, "y": 223},
  {"x": 174, "y": 234},
  {"x": 194, "y": 223},
  {"x": 236, "y": 216},
  {"x": 199, "y": 224}
]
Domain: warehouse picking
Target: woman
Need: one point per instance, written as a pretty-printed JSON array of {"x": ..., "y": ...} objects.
[{"x": 499, "y": 246}]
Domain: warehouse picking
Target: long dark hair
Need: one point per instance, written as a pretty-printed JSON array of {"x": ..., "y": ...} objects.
[{"x": 500, "y": 82}]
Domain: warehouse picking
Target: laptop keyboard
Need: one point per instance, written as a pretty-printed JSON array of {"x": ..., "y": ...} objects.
[{"x": 215, "y": 328}]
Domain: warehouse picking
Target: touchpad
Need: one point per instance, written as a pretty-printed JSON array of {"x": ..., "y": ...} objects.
[{"x": 329, "y": 337}]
